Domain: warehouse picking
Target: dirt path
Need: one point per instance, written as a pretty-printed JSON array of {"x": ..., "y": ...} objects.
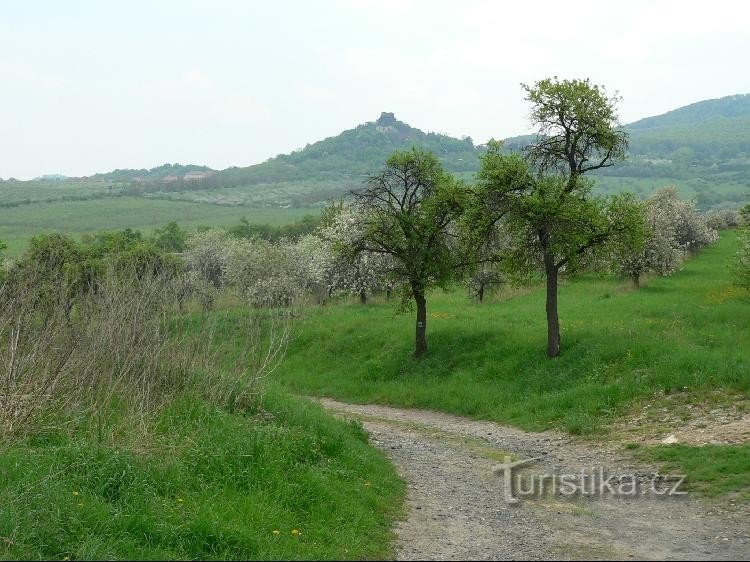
[{"x": 457, "y": 510}]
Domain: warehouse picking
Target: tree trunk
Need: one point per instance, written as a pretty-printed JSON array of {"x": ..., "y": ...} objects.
[
  {"x": 420, "y": 346},
  {"x": 637, "y": 280},
  {"x": 362, "y": 297},
  {"x": 553, "y": 322},
  {"x": 481, "y": 292}
]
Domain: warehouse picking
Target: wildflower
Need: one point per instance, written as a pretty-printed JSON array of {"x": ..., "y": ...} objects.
[
  {"x": 75, "y": 493},
  {"x": 276, "y": 532},
  {"x": 180, "y": 500},
  {"x": 296, "y": 532}
]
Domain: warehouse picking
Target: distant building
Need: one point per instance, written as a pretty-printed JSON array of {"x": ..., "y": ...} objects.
[
  {"x": 170, "y": 178},
  {"x": 193, "y": 176},
  {"x": 386, "y": 122}
]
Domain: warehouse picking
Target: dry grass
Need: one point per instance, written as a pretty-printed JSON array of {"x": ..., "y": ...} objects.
[{"x": 121, "y": 349}]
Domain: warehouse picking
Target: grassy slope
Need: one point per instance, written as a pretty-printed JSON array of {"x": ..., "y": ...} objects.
[
  {"x": 690, "y": 331},
  {"x": 17, "y": 224},
  {"x": 204, "y": 484}
]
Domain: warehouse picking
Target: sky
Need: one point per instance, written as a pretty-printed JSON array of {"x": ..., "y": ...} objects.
[{"x": 88, "y": 87}]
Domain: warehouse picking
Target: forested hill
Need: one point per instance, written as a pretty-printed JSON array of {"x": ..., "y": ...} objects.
[
  {"x": 708, "y": 132},
  {"x": 727, "y": 108},
  {"x": 356, "y": 153}
]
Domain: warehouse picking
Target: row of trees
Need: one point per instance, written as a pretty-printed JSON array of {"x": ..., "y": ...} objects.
[{"x": 414, "y": 226}]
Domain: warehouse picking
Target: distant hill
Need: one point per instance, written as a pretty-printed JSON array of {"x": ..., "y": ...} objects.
[
  {"x": 727, "y": 108},
  {"x": 702, "y": 148},
  {"x": 356, "y": 153},
  {"x": 165, "y": 171},
  {"x": 323, "y": 170}
]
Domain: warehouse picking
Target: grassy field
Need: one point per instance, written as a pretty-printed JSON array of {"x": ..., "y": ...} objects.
[
  {"x": 29, "y": 192},
  {"x": 715, "y": 193},
  {"x": 686, "y": 334},
  {"x": 18, "y": 224},
  {"x": 203, "y": 484}
]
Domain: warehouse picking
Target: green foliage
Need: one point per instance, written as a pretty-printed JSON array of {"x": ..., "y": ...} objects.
[
  {"x": 407, "y": 211},
  {"x": 170, "y": 237},
  {"x": 548, "y": 212},
  {"x": 577, "y": 126},
  {"x": 63, "y": 269},
  {"x": 306, "y": 225},
  {"x": 203, "y": 484}
]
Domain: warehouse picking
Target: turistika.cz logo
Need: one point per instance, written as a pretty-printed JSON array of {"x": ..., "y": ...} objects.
[{"x": 588, "y": 482}]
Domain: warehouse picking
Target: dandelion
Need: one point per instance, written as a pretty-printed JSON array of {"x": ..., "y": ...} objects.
[
  {"x": 276, "y": 532},
  {"x": 180, "y": 500},
  {"x": 296, "y": 532},
  {"x": 75, "y": 493}
]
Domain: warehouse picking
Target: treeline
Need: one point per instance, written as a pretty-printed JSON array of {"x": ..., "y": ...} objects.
[{"x": 63, "y": 198}]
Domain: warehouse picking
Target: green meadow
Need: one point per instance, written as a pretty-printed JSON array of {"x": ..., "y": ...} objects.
[
  {"x": 201, "y": 483},
  {"x": 18, "y": 224},
  {"x": 688, "y": 333}
]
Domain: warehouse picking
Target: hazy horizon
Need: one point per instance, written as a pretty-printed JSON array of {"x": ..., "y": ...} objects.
[{"x": 89, "y": 88}]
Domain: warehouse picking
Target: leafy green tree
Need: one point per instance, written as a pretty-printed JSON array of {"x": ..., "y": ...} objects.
[
  {"x": 170, "y": 238},
  {"x": 544, "y": 199},
  {"x": 408, "y": 211}
]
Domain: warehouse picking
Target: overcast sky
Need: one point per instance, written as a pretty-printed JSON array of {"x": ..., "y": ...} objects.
[{"x": 92, "y": 86}]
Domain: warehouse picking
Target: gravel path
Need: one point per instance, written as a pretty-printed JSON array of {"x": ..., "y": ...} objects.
[{"x": 457, "y": 511}]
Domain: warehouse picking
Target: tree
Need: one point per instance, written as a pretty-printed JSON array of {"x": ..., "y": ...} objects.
[
  {"x": 578, "y": 129},
  {"x": 407, "y": 211},
  {"x": 206, "y": 256},
  {"x": 359, "y": 272},
  {"x": 673, "y": 228},
  {"x": 170, "y": 238},
  {"x": 267, "y": 274},
  {"x": 544, "y": 200}
]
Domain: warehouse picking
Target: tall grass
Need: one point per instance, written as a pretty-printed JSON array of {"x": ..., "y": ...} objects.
[
  {"x": 77, "y": 352},
  {"x": 132, "y": 430}
]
